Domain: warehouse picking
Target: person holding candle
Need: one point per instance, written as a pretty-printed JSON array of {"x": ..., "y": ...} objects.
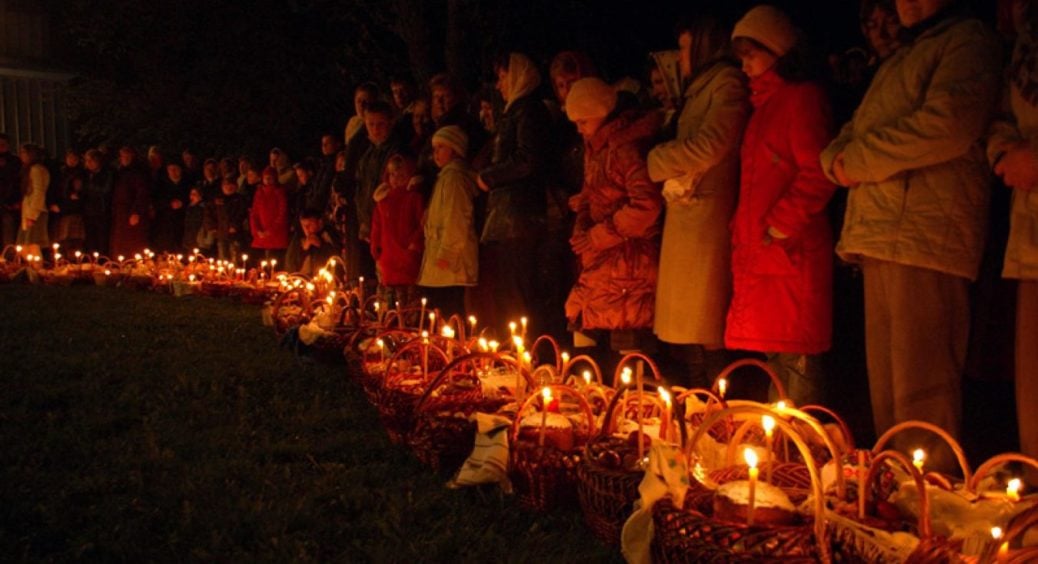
[
  {"x": 616, "y": 231},
  {"x": 317, "y": 243},
  {"x": 1012, "y": 155},
  {"x": 917, "y": 210},
  {"x": 449, "y": 263},
  {"x": 699, "y": 169},
  {"x": 781, "y": 240}
]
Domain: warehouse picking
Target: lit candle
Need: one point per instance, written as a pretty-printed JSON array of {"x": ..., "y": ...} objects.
[
  {"x": 1013, "y": 490},
  {"x": 421, "y": 315},
  {"x": 382, "y": 349},
  {"x": 360, "y": 289},
  {"x": 751, "y": 461},
  {"x": 447, "y": 332},
  {"x": 546, "y": 398},
  {"x": 482, "y": 344},
  {"x": 244, "y": 259},
  {"x": 472, "y": 322},
  {"x": 722, "y": 387},
  {"x": 432, "y": 322},
  {"x": 522, "y": 320},
  {"x": 425, "y": 354},
  {"x": 511, "y": 330},
  {"x": 518, "y": 342},
  {"x": 862, "y": 475},
  {"x": 493, "y": 346},
  {"x": 665, "y": 421},
  {"x": 1002, "y": 553},
  {"x": 918, "y": 456},
  {"x": 587, "y": 378},
  {"x": 768, "y": 422}
]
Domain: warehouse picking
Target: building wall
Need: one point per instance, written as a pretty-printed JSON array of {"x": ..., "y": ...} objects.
[{"x": 32, "y": 93}]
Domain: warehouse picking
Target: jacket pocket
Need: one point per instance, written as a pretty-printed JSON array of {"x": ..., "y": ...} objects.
[{"x": 776, "y": 259}]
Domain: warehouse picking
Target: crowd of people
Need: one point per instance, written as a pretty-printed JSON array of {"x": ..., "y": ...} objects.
[{"x": 695, "y": 212}]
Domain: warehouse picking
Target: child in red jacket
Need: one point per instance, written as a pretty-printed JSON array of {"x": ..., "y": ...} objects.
[
  {"x": 397, "y": 234},
  {"x": 268, "y": 217}
]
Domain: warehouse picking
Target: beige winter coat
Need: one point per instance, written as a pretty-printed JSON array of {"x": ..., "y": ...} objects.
[
  {"x": 914, "y": 143},
  {"x": 695, "y": 260},
  {"x": 1021, "y": 260}
]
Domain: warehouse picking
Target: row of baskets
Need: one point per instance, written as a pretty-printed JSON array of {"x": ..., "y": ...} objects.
[{"x": 574, "y": 438}]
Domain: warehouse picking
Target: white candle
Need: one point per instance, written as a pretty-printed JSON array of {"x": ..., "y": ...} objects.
[
  {"x": 751, "y": 461},
  {"x": 918, "y": 457},
  {"x": 1013, "y": 489},
  {"x": 768, "y": 422},
  {"x": 862, "y": 475},
  {"x": 665, "y": 421},
  {"x": 546, "y": 399}
]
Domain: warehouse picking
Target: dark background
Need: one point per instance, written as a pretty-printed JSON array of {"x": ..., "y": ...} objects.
[{"x": 226, "y": 77}]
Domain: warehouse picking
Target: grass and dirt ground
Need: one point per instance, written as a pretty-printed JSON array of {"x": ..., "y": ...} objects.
[{"x": 142, "y": 427}]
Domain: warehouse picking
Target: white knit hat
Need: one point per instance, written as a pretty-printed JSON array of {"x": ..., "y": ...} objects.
[
  {"x": 768, "y": 26},
  {"x": 590, "y": 98},
  {"x": 453, "y": 137}
]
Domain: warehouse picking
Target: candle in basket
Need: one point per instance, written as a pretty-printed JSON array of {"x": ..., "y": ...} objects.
[
  {"x": 768, "y": 422},
  {"x": 425, "y": 354},
  {"x": 472, "y": 323},
  {"x": 421, "y": 315},
  {"x": 722, "y": 387},
  {"x": 751, "y": 461},
  {"x": 511, "y": 330},
  {"x": 447, "y": 331},
  {"x": 587, "y": 378},
  {"x": 518, "y": 342},
  {"x": 545, "y": 400},
  {"x": 1013, "y": 490},
  {"x": 862, "y": 475},
  {"x": 1002, "y": 552},
  {"x": 522, "y": 320},
  {"x": 382, "y": 349},
  {"x": 665, "y": 420},
  {"x": 360, "y": 289},
  {"x": 918, "y": 457},
  {"x": 432, "y": 322}
]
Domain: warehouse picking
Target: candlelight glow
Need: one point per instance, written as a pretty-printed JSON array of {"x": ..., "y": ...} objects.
[
  {"x": 665, "y": 395},
  {"x": 625, "y": 376},
  {"x": 447, "y": 332},
  {"x": 750, "y": 456},
  {"x": 996, "y": 533},
  {"x": 494, "y": 345},
  {"x": 918, "y": 457},
  {"x": 1013, "y": 489},
  {"x": 587, "y": 377},
  {"x": 546, "y": 394},
  {"x": 780, "y": 405},
  {"x": 722, "y": 386},
  {"x": 483, "y": 344},
  {"x": 768, "y": 422}
]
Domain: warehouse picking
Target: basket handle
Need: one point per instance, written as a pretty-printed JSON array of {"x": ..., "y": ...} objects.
[
  {"x": 560, "y": 389},
  {"x": 920, "y": 484},
  {"x": 737, "y": 407},
  {"x": 609, "y": 418},
  {"x": 994, "y": 462},
  {"x": 881, "y": 443},
  {"x": 724, "y": 375},
  {"x": 1017, "y": 527},
  {"x": 493, "y": 357},
  {"x": 635, "y": 356},
  {"x": 844, "y": 428},
  {"x": 596, "y": 372},
  {"x": 455, "y": 323},
  {"x": 417, "y": 344},
  {"x": 820, "y": 530},
  {"x": 556, "y": 350}
]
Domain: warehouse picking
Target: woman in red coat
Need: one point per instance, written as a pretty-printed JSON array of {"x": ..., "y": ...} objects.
[
  {"x": 616, "y": 232},
  {"x": 268, "y": 217},
  {"x": 781, "y": 240}
]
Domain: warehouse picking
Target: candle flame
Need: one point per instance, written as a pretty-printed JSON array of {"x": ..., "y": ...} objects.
[
  {"x": 381, "y": 344},
  {"x": 722, "y": 386},
  {"x": 546, "y": 393},
  {"x": 780, "y": 405},
  {"x": 482, "y": 344},
  {"x": 517, "y": 341},
  {"x": 625, "y": 376},
  {"x": 751, "y": 457},
  {"x": 494, "y": 345},
  {"x": 1014, "y": 485},
  {"x": 768, "y": 422},
  {"x": 665, "y": 395},
  {"x": 996, "y": 533},
  {"x": 472, "y": 320},
  {"x": 447, "y": 332},
  {"x": 918, "y": 456},
  {"x": 587, "y": 377}
]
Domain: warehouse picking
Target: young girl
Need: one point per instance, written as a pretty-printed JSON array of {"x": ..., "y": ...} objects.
[
  {"x": 781, "y": 241},
  {"x": 449, "y": 263},
  {"x": 35, "y": 178},
  {"x": 268, "y": 217},
  {"x": 396, "y": 231}
]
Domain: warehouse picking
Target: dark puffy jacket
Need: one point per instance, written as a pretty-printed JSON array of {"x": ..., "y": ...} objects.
[
  {"x": 618, "y": 208},
  {"x": 517, "y": 203}
]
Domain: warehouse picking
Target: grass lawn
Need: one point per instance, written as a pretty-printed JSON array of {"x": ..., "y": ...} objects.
[{"x": 142, "y": 427}]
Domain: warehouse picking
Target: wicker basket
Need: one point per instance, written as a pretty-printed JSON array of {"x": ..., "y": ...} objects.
[
  {"x": 290, "y": 309},
  {"x": 590, "y": 383},
  {"x": 717, "y": 396},
  {"x": 608, "y": 474},
  {"x": 692, "y": 534},
  {"x": 545, "y": 475},
  {"x": 405, "y": 384},
  {"x": 443, "y": 432}
]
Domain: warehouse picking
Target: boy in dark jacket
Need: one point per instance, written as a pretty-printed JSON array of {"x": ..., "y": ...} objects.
[
  {"x": 317, "y": 243},
  {"x": 227, "y": 219}
]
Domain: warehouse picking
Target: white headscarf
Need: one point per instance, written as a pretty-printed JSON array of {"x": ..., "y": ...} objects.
[{"x": 523, "y": 77}]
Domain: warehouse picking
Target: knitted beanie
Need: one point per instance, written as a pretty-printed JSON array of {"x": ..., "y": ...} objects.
[
  {"x": 590, "y": 98},
  {"x": 453, "y": 137},
  {"x": 768, "y": 26}
]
